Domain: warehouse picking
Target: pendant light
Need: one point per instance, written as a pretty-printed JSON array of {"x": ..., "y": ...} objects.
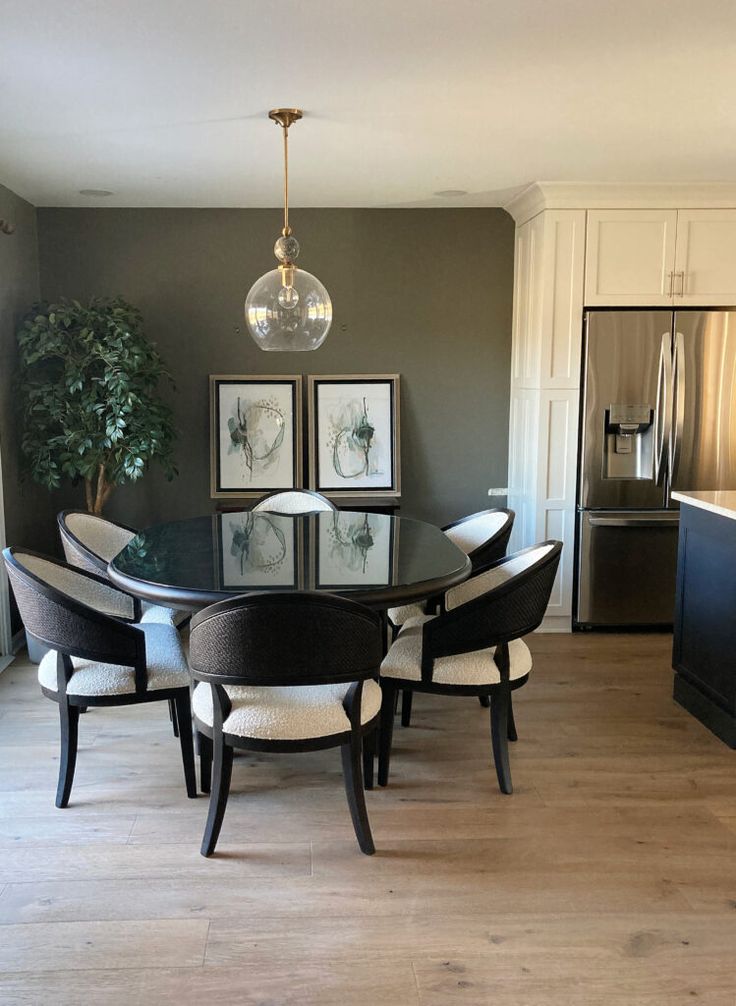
[{"x": 288, "y": 309}]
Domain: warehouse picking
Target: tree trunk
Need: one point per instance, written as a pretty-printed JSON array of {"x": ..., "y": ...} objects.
[
  {"x": 89, "y": 495},
  {"x": 104, "y": 488}
]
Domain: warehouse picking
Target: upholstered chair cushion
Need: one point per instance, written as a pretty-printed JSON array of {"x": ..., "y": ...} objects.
[
  {"x": 397, "y": 616},
  {"x": 100, "y": 536},
  {"x": 404, "y": 660},
  {"x": 293, "y": 502},
  {"x": 473, "y": 533},
  {"x": 100, "y": 596},
  {"x": 293, "y": 713},
  {"x": 165, "y": 661},
  {"x": 494, "y": 577}
]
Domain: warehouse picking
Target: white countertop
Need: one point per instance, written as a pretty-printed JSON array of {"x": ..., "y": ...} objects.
[{"x": 718, "y": 501}]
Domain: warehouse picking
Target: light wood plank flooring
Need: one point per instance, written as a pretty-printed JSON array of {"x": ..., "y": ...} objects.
[{"x": 609, "y": 877}]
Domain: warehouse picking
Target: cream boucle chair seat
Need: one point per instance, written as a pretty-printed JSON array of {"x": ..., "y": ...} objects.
[
  {"x": 483, "y": 536},
  {"x": 285, "y": 672},
  {"x": 97, "y": 654},
  {"x": 474, "y": 646},
  {"x": 294, "y": 501},
  {"x": 91, "y": 542},
  {"x": 165, "y": 663},
  {"x": 303, "y": 712}
]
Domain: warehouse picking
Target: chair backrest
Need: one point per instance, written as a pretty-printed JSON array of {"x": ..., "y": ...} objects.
[
  {"x": 483, "y": 536},
  {"x": 90, "y": 542},
  {"x": 75, "y": 612},
  {"x": 290, "y": 638},
  {"x": 505, "y": 602},
  {"x": 294, "y": 501}
]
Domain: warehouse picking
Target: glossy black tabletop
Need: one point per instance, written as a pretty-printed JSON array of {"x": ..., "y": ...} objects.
[{"x": 378, "y": 559}]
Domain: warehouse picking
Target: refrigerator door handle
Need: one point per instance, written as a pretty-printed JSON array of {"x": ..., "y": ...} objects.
[
  {"x": 678, "y": 406},
  {"x": 633, "y": 521},
  {"x": 662, "y": 411}
]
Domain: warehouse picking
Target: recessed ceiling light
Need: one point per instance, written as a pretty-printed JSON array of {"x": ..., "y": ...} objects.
[
  {"x": 451, "y": 193},
  {"x": 95, "y": 192}
]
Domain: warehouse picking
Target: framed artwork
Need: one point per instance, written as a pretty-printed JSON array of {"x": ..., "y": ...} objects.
[
  {"x": 257, "y": 550},
  {"x": 256, "y": 434},
  {"x": 354, "y": 549},
  {"x": 354, "y": 442}
]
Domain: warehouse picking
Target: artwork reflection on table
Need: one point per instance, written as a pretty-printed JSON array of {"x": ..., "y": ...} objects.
[
  {"x": 355, "y": 549},
  {"x": 256, "y": 434},
  {"x": 354, "y": 435},
  {"x": 258, "y": 551}
]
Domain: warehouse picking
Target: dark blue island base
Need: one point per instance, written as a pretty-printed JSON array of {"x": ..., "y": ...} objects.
[{"x": 704, "y": 651}]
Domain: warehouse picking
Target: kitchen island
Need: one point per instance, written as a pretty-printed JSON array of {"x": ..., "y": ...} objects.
[{"x": 704, "y": 651}]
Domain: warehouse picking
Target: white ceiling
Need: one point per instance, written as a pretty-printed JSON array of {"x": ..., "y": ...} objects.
[{"x": 164, "y": 101}]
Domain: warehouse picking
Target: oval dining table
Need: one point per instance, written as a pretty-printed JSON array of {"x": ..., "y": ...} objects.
[{"x": 380, "y": 560}]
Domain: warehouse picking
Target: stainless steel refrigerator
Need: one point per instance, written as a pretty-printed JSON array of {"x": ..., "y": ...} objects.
[{"x": 658, "y": 413}]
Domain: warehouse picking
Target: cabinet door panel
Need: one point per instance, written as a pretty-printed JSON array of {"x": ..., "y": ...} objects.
[
  {"x": 630, "y": 256},
  {"x": 705, "y": 261}
]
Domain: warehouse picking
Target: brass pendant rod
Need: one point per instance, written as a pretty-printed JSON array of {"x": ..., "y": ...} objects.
[{"x": 287, "y": 229}]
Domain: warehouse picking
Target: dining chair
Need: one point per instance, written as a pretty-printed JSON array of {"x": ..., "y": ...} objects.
[
  {"x": 484, "y": 537},
  {"x": 474, "y": 646},
  {"x": 91, "y": 542},
  {"x": 285, "y": 672},
  {"x": 294, "y": 501},
  {"x": 97, "y": 655}
]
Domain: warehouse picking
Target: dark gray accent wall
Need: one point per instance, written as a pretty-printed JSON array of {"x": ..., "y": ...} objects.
[
  {"x": 28, "y": 507},
  {"x": 423, "y": 293}
]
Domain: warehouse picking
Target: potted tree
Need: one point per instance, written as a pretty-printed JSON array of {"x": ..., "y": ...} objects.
[{"x": 90, "y": 405}]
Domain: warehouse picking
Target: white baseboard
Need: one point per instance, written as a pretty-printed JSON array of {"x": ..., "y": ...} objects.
[
  {"x": 556, "y": 623},
  {"x": 5, "y": 662}
]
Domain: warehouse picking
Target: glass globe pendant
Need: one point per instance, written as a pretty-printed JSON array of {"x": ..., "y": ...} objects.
[{"x": 288, "y": 309}]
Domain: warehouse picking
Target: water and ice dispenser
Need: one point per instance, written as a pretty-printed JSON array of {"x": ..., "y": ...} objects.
[{"x": 628, "y": 450}]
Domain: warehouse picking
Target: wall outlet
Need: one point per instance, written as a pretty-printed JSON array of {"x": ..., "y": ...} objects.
[{"x": 498, "y": 492}]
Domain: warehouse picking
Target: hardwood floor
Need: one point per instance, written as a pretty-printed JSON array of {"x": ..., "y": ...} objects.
[{"x": 609, "y": 877}]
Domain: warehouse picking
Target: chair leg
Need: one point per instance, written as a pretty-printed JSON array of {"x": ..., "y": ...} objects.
[
  {"x": 499, "y": 738},
  {"x": 221, "y": 775},
  {"x": 369, "y": 754},
  {"x": 513, "y": 736},
  {"x": 172, "y": 717},
  {"x": 69, "y": 722},
  {"x": 385, "y": 733},
  {"x": 353, "y": 776},
  {"x": 205, "y": 762},
  {"x": 406, "y": 696},
  {"x": 484, "y": 700},
  {"x": 183, "y": 717}
]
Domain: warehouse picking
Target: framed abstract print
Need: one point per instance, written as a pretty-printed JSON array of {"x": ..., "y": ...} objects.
[
  {"x": 256, "y": 434},
  {"x": 354, "y": 441}
]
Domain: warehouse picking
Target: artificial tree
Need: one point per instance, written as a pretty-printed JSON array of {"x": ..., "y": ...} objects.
[{"x": 90, "y": 404}]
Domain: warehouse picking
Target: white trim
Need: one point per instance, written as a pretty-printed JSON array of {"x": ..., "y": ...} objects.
[
  {"x": 582, "y": 195},
  {"x": 5, "y": 662},
  {"x": 6, "y": 643},
  {"x": 555, "y": 623}
]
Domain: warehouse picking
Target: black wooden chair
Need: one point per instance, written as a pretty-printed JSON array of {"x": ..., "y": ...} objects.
[
  {"x": 97, "y": 656},
  {"x": 484, "y": 537},
  {"x": 91, "y": 542},
  {"x": 285, "y": 672},
  {"x": 294, "y": 501},
  {"x": 474, "y": 646}
]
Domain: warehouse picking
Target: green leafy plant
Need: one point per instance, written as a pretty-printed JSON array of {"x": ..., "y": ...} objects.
[{"x": 89, "y": 389}]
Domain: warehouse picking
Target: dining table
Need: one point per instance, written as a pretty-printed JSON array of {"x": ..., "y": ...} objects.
[{"x": 381, "y": 560}]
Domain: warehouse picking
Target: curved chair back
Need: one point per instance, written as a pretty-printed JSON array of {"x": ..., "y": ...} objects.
[
  {"x": 90, "y": 542},
  {"x": 76, "y": 613},
  {"x": 294, "y": 501},
  {"x": 483, "y": 536},
  {"x": 290, "y": 638},
  {"x": 505, "y": 602}
]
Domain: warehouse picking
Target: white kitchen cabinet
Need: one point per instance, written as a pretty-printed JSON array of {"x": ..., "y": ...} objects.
[
  {"x": 630, "y": 258},
  {"x": 705, "y": 258}
]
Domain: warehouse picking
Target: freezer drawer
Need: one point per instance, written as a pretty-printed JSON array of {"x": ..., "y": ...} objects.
[{"x": 626, "y": 567}]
